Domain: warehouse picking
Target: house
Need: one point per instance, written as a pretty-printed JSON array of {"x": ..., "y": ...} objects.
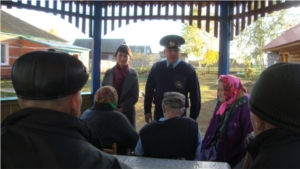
[
  {"x": 19, "y": 37},
  {"x": 183, "y": 56},
  {"x": 146, "y": 49},
  {"x": 108, "y": 50},
  {"x": 108, "y": 46},
  {"x": 285, "y": 48}
]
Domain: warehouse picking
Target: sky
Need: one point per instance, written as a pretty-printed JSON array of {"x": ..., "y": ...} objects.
[{"x": 139, "y": 33}]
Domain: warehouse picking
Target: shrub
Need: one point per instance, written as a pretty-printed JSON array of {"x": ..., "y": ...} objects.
[{"x": 250, "y": 72}]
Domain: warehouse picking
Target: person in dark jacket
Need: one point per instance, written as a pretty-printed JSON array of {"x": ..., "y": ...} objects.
[
  {"x": 112, "y": 126},
  {"x": 275, "y": 115},
  {"x": 168, "y": 75},
  {"x": 125, "y": 81},
  {"x": 172, "y": 136},
  {"x": 46, "y": 132}
]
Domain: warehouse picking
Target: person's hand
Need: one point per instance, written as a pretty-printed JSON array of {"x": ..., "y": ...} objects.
[
  {"x": 148, "y": 117},
  {"x": 120, "y": 109}
]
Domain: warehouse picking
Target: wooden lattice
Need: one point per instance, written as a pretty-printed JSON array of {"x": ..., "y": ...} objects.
[{"x": 114, "y": 13}]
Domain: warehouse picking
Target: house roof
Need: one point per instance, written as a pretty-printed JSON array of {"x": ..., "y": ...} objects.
[
  {"x": 288, "y": 41},
  {"x": 141, "y": 49},
  {"x": 107, "y": 45},
  {"x": 86, "y": 43},
  {"x": 63, "y": 47},
  {"x": 14, "y": 25}
]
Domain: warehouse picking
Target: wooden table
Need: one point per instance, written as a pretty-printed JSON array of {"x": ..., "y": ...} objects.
[{"x": 157, "y": 163}]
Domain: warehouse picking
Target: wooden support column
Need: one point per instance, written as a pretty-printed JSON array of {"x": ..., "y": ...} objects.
[
  {"x": 96, "y": 59},
  {"x": 224, "y": 39}
]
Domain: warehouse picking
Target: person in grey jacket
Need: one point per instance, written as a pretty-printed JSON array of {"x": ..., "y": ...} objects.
[{"x": 125, "y": 81}]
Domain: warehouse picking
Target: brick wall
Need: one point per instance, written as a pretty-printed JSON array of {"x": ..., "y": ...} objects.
[{"x": 18, "y": 47}]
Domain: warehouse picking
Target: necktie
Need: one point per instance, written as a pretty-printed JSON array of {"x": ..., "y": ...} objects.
[{"x": 170, "y": 66}]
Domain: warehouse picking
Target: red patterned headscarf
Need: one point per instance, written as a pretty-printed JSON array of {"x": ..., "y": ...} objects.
[
  {"x": 232, "y": 87},
  {"x": 107, "y": 95}
]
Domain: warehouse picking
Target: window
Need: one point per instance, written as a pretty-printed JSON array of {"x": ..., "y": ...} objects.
[{"x": 4, "y": 54}]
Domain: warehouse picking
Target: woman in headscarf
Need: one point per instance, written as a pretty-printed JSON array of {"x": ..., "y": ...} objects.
[
  {"x": 110, "y": 125},
  {"x": 230, "y": 123},
  {"x": 125, "y": 81}
]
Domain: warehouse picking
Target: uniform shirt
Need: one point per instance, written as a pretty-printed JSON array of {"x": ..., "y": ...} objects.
[{"x": 174, "y": 64}]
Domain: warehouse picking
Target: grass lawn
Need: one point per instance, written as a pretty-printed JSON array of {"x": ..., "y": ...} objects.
[{"x": 208, "y": 95}]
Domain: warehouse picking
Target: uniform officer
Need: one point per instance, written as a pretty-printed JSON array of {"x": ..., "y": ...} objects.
[{"x": 171, "y": 75}]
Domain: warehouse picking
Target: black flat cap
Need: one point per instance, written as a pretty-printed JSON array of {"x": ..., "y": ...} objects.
[
  {"x": 42, "y": 75},
  {"x": 171, "y": 41}
]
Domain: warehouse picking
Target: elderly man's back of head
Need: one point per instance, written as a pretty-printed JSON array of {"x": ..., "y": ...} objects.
[
  {"x": 172, "y": 136},
  {"x": 275, "y": 116},
  {"x": 46, "y": 132}
]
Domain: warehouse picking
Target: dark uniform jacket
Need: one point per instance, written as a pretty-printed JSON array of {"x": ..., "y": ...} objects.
[
  {"x": 174, "y": 138},
  {"x": 41, "y": 138},
  {"x": 182, "y": 79},
  {"x": 275, "y": 148},
  {"x": 130, "y": 92}
]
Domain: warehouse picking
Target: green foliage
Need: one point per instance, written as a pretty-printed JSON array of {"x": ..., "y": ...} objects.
[
  {"x": 141, "y": 56},
  {"x": 193, "y": 41},
  {"x": 258, "y": 34},
  {"x": 210, "y": 57},
  {"x": 198, "y": 42},
  {"x": 138, "y": 56},
  {"x": 142, "y": 70},
  {"x": 6, "y": 83},
  {"x": 8, "y": 94},
  {"x": 250, "y": 72},
  {"x": 141, "y": 62}
]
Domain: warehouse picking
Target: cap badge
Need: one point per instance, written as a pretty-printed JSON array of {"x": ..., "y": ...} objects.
[
  {"x": 178, "y": 85},
  {"x": 172, "y": 43}
]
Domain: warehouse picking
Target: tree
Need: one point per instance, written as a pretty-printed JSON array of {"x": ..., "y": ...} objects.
[
  {"x": 258, "y": 34},
  {"x": 142, "y": 62},
  {"x": 198, "y": 41},
  {"x": 193, "y": 41},
  {"x": 142, "y": 56},
  {"x": 53, "y": 32},
  {"x": 210, "y": 57}
]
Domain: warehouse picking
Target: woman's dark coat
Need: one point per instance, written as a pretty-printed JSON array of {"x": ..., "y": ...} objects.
[{"x": 130, "y": 92}]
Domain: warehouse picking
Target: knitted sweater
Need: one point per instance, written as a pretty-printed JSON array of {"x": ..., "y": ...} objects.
[{"x": 173, "y": 138}]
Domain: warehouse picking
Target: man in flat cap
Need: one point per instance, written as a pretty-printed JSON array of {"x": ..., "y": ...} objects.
[
  {"x": 46, "y": 132},
  {"x": 171, "y": 74},
  {"x": 172, "y": 136},
  {"x": 275, "y": 115}
]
